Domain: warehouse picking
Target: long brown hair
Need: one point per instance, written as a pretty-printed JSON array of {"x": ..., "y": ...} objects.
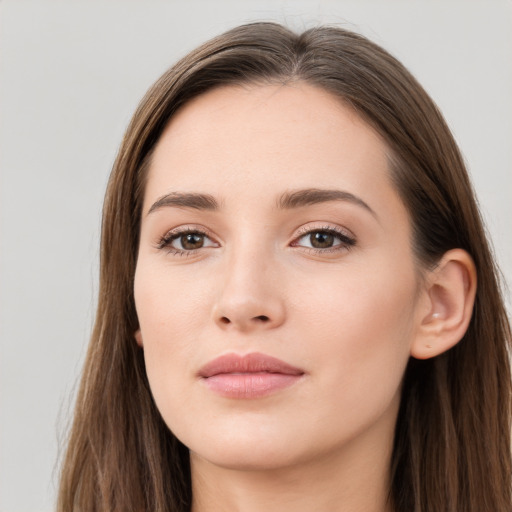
[{"x": 452, "y": 443}]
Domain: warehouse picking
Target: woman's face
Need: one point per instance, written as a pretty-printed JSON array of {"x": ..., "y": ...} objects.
[{"x": 275, "y": 287}]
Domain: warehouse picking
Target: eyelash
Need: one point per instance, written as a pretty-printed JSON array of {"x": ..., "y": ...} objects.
[
  {"x": 165, "y": 242},
  {"x": 346, "y": 241}
]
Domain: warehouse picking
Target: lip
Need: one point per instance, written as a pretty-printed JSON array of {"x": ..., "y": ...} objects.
[{"x": 252, "y": 375}]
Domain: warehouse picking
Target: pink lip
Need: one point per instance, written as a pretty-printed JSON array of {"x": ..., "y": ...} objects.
[{"x": 251, "y": 376}]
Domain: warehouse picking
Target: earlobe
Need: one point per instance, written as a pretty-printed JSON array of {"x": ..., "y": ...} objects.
[
  {"x": 138, "y": 338},
  {"x": 451, "y": 289}
]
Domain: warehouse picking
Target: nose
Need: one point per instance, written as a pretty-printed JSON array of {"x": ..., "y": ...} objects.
[{"x": 250, "y": 295}]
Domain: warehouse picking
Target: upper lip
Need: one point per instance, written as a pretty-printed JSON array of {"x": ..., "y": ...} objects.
[{"x": 248, "y": 363}]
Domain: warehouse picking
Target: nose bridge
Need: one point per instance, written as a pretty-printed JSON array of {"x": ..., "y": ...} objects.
[{"x": 249, "y": 295}]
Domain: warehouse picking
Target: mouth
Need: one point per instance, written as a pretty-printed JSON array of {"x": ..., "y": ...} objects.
[{"x": 253, "y": 375}]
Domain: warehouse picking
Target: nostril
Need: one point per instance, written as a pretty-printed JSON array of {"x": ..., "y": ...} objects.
[{"x": 258, "y": 319}]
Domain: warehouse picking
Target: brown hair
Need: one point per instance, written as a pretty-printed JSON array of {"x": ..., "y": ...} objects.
[{"x": 452, "y": 442}]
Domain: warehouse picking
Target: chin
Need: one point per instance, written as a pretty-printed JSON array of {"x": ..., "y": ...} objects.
[
  {"x": 244, "y": 449},
  {"x": 246, "y": 458}
]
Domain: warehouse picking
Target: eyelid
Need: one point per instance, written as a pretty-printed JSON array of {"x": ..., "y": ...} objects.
[
  {"x": 323, "y": 225},
  {"x": 346, "y": 237},
  {"x": 333, "y": 228},
  {"x": 163, "y": 242}
]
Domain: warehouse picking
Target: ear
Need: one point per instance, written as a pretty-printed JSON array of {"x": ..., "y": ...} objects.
[
  {"x": 448, "y": 306},
  {"x": 138, "y": 337}
]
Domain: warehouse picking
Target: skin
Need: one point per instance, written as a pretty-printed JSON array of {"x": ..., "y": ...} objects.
[{"x": 348, "y": 316}]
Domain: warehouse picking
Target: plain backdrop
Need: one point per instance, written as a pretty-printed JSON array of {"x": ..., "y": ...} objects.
[{"x": 72, "y": 73}]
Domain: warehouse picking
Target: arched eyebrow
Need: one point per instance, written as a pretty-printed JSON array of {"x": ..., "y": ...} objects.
[
  {"x": 186, "y": 200},
  {"x": 310, "y": 196},
  {"x": 287, "y": 201}
]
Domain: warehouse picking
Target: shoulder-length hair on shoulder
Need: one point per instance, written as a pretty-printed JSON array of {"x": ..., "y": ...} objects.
[{"x": 452, "y": 443}]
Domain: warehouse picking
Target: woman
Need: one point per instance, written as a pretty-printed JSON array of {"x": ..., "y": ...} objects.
[{"x": 289, "y": 316}]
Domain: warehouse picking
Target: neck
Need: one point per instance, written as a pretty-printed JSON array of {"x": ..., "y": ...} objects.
[{"x": 338, "y": 482}]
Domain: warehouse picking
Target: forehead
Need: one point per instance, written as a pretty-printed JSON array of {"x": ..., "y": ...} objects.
[{"x": 262, "y": 138}]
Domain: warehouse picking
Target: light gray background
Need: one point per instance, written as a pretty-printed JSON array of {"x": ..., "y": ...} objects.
[{"x": 72, "y": 74}]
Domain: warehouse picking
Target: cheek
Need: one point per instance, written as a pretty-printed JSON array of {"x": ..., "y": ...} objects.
[
  {"x": 168, "y": 301},
  {"x": 171, "y": 313},
  {"x": 355, "y": 334},
  {"x": 358, "y": 327}
]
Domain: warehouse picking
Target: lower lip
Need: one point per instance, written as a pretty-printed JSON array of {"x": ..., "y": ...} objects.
[{"x": 249, "y": 385}]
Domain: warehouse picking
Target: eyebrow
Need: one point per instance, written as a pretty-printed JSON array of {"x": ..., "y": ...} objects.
[
  {"x": 310, "y": 196},
  {"x": 287, "y": 201},
  {"x": 186, "y": 200}
]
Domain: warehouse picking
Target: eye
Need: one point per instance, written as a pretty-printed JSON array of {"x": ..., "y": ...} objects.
[
  {"x": 189, "y": 241},
  {"x": 326, "y": 239},
  {"x": 185, "y": 241}
]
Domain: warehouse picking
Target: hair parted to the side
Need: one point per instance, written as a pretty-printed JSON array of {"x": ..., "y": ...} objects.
[{"x": 452, "y": 442}]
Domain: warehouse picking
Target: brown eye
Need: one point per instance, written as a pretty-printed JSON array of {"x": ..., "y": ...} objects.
[
  {"x": 321, "y": 239},
  {"x": 325, "y": 239},
  {"x": 186, "y": 241},
  {"x": 191, "y": 241}
]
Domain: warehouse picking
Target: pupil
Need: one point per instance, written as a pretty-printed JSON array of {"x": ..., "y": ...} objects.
[
  {"x": 322, "y": 240},
  {"x": 192, "y": 241}
]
